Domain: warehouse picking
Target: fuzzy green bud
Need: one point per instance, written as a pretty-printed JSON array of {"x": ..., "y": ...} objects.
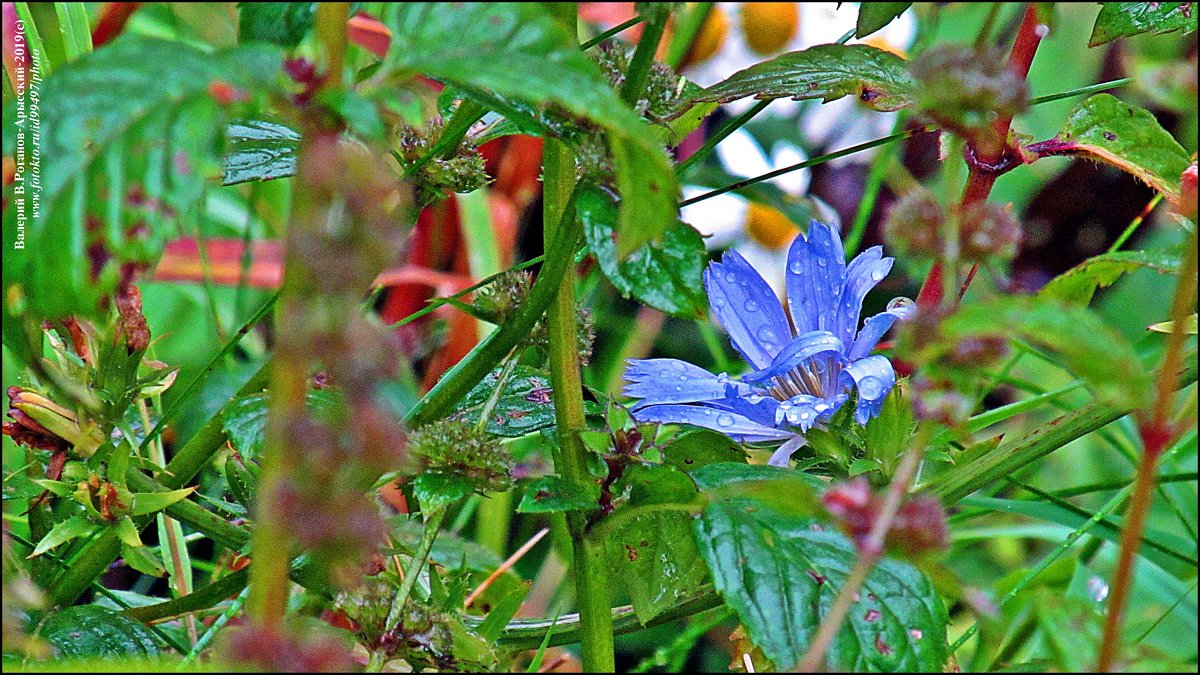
[
  {"x": 967, "y": 89},
  {"x": 988, "y": 230},
  {"x": 914, "y": 224},
  {"x": 460, "y": 449}
]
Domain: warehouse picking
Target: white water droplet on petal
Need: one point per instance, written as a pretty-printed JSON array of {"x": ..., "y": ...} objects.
[
  {"x": 766, "y": 334},
  {"x": 899, "y": 303},
  {"x": 751, "y": 306},
  {"x": 877, "y": 275},
  {"x": 680, "y": 366},
  {"x": 725, "y": 421},
  {"x": 822, "y": 262},
  {"x": 679, "y": 387},
  {"x": 754, "y": 399},
  {"x": 730, "y": 277},
  {"x": 793, "y": 417},
  {"x": 718, "y": 301},
  {"x": 870, "y": 388},
  {"x": 796, "y": 267}
]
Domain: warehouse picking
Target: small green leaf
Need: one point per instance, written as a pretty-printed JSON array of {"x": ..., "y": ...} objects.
[
  {"x": 142, "y": 559},
  {"x": 71, "y": 528},
  {"x": 701, "y": 447},
  {"x": 127, "y": 532},
  {"x": 1189, "y": 326},
  {"x": 434, "y": 489},
  {"x": 875, "y": 15},
  {"x": 1123, "y": 19},
  {"x": 861, "y": 466},
  {"x": 551, "y": 494},
  {"x": 667, "y": 275},
  {"x": 1078, "y": 284},
  {"x": 783, "y": 489},
  {"x": 886, "y": 436},
  {"x": 260, "y": 150},
  {"x": 89, "y": 630},
  {"x": 780, "y": 574},
  {"x": 153, "y": 502},
  {"x": 360, "y": 114},
  {"x": 281, "y": 23},
  {"x": 876, "y": 77},
  {"x": 1108, "y": 130}
]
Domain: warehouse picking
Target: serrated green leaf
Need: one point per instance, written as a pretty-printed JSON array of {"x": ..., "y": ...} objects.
[
  {"x": 876, "y": 77},
  {"x": 655, "y": 557},
  {"x": 551, "y": 494},
  {"x": 1080, "y": 340},
  {"x": 875, "y": 15},
  {"x": 667, "y": 275},
  {"x": 71, "y": 528},
  {"x": 434, "y": 489},
  {"x": 281, "y": 23},
  {"x": 153, "y": 502},
  {"x": 525, "y": 406},
  {"x": 244, "y": 419},
  {"x": 137, "y": 113},
  {"x": 886, "y": 435},
  {"x": 1124, "y": 19},
  {"x": 1078, "y": 284},
  {"x": 1108, "y": 130},
  {"x": 521, "y": 52},
  {"x": 260, "y": 150},
  {"x": 89, "y": 630},
  {"x": 781, "y": 573}
]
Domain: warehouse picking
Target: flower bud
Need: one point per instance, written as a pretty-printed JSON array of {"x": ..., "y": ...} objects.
[
  {"x": 43, "y": 423},
  {"x": 967, "y": 89},
  {"x": 988, "y": 230},
  {"x": 459, "y": 449},
  {"x": 461, "y": 169},
  {"x": 498, "y": 300},
  {"x": 914, "y": 223}
]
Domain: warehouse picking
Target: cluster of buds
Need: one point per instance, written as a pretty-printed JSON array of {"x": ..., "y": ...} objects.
[
  {"x": 459, "y": 169},
  {"x": 37, "y": 422},
  {"x": 422, "y": 637},
  {"x": 268, "y": 650},
  {"x": 986, "y": 231},
  {"x": 499, "y": 300},
  {"x": 966, "y": 89},
  {"x": 460, "y": 449},
  {"x": 662, "y": 94},
  {"x": 919, "y": 525}
]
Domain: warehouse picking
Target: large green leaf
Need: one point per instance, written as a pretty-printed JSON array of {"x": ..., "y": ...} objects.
[
  {"x": 260, "y": 150},
  {"x": 667, "y": 275},
  {"x": 89, "y": 630},
  {"x": 551, "y": 494},
  {"x": 875, "y": 15},
  {"x": 520, "y": 51},
  {"x": 130, "y": 134},
  {"x": 1106, "y": 129},
  {"x": 701, "y": 447},
  {"x": 655, "y": 557},
  {"x": 878, "y": 78},
  {"x": 780, "y": 573},
  {"x": 1123, "y": 19},
  {"x": 1078, "y": 284}
]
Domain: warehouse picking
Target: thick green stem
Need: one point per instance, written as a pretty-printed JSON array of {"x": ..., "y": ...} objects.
[
  {"x": 643, "y": 56},
  {"x": 591, "y": 572}
]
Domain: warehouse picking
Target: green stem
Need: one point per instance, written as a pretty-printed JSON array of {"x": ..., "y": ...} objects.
[
  {"x": 643, "y": 56},
  {"x": 611, "y": 32},
  {"x": 413, "y": 570},
  {"x": 590, "y": 568},
  {"x": 732, "y": 126}
]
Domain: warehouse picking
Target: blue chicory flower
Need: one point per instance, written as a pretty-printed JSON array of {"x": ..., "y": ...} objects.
[{"x": 803, "y": 371}]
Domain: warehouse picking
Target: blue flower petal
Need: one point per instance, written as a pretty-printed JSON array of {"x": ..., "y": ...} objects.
[
  {"x": 798, "y": 351},
  {"x": 747, "y": 308},
  {"x": 736, "y": 426},
  {"x": 874, "y": 378},
  {"x": 873, "y": 328},
  {"x": 755, "y": 406},
  {"x": 815, "y": 277},
  {"x": 783, "y": 455},
  {"x": 673, "y": 381},
  {"x": 866, "y": 270},
  {"x": 802, "y": 411}
]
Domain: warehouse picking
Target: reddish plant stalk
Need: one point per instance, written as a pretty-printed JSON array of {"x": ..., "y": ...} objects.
[{"x": 1156, "y": 433}]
